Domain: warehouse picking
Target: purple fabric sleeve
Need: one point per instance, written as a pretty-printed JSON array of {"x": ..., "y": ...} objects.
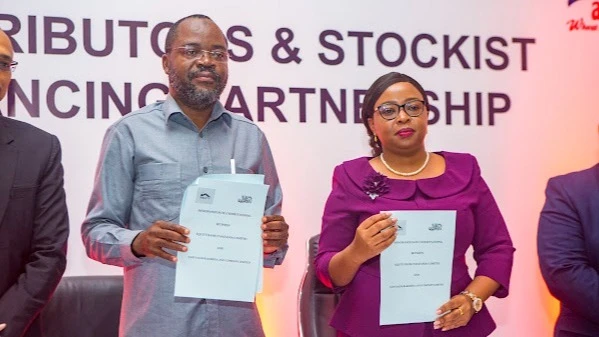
[
  {"x": 493, "y": 248},
  {"x": 338, "y": 228}
]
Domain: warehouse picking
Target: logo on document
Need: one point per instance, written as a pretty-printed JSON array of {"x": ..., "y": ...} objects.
[
  {"x": 245, "y": 199},
  {"x": 205, "y": 195},
  {"x": 402, "y": 226},
  {"x": 436, "y": 227},
  {"x": 582, "y": 23}
]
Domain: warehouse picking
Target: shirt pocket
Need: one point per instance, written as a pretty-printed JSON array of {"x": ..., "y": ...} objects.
[{"x": 160, "y": 191}]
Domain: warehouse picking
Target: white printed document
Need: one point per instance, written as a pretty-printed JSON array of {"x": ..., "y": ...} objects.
[
  {"x": 224, "y": 258},
  {"x": 416, "y": 268}
]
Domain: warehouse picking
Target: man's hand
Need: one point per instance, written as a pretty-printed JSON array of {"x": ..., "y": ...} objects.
[
  {"x": 160, "y": 235},
  {"x": 275, "y": 232}
]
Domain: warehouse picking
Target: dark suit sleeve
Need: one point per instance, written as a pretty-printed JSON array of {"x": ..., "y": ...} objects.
[
  {"x": 564, "y": 262},
  {"x": 47, "y": 260}
]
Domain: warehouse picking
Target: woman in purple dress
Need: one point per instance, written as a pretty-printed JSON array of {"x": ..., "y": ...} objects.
[{"x": 403, "y": 175}]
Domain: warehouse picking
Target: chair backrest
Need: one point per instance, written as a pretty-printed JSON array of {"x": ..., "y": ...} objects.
[
  {"x": 317, "y": 302},
  {"x": 84, "y": 306}
]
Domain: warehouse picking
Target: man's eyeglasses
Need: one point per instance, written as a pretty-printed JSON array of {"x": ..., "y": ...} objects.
[
  {"x": 389, "y": 111},
  {"x": 194, "y": 53},
  {"x": 8, "y": 66}
]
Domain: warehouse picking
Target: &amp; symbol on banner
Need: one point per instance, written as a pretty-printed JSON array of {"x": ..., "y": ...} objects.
[{"x": 581, "y": 24}]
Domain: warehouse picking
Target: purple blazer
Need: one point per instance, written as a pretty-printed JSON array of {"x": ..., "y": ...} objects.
[
  {"x": 479, "y": 223},
  {"x": 568, "y": 247}
]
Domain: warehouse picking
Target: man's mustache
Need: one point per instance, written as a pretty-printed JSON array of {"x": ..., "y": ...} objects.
[{"x": 201, "y": 69}]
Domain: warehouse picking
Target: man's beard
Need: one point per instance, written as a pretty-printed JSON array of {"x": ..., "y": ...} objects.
[{"x": 192, "y": 96}]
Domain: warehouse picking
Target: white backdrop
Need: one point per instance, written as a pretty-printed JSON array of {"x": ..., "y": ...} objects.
[{"x": 547, "y": 71}]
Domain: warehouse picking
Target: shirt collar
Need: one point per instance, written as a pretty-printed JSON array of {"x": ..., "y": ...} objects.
[
  {"x": 460, "y": 170},
  {"x": 171, "y": 108}
]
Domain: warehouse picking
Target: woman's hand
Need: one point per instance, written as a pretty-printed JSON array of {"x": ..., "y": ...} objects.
[
  {"x": 373, "y": 236},
  {"x": 461, "y": 311}
]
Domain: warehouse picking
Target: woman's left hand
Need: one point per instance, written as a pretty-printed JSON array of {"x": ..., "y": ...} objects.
[{"x": 461, "y": 313}]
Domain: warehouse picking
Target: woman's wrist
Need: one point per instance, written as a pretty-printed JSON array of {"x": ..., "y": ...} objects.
[{"x": 352, "y": 256}]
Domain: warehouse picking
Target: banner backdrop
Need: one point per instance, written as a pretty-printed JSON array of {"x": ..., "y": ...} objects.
[{"x": 513, "y": 82}]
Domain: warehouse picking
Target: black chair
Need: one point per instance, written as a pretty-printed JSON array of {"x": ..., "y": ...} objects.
[
  {"x": 84, "y": 306},
  {"x": 316, "y": 301}
]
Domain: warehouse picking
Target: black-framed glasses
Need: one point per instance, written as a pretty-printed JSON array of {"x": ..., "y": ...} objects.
[
  {"x": 390, "y": 111},
  {"x": 8, "y": 66},
  {"x": 193, "y": 53}
]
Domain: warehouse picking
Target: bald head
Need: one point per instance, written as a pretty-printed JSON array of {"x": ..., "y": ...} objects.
[
  {"x": 6, "y": 57},
  {"x": 5, "y": 43}
]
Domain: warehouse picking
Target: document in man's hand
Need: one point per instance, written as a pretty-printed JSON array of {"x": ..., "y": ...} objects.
[
  {"x": 416, "y": 268},
  {"x": 224, "y": 258}
]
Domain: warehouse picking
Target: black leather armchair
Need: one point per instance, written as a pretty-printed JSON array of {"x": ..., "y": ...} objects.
[
  {"x": 316, "y": 301},
  {"x": 84, "y": 306}
]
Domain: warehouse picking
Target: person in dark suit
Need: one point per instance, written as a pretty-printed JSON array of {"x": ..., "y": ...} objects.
[
  {"x": 568, "y": 247},
  {"x": 34, "y": 223}
]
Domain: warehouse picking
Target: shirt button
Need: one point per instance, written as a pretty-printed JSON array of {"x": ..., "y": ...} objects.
[
  {"x": 205, "y": 169},
  {"x": 201, "y": 135}
]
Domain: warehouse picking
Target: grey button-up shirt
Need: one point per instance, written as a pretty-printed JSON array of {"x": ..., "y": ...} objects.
[{"x": 148, "y": 158}]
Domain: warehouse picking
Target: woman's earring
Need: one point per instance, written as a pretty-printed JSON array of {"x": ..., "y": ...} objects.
[{"x": 376, "y": 139}]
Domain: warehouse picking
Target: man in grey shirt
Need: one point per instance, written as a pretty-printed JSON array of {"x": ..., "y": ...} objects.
[{"x": 148, "y": 158}]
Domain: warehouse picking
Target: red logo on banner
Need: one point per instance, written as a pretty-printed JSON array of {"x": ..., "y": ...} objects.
[{"x": 582, "y": 24}]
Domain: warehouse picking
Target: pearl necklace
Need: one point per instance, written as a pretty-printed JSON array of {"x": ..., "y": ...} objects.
[{"x": 406, "y": 174}]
